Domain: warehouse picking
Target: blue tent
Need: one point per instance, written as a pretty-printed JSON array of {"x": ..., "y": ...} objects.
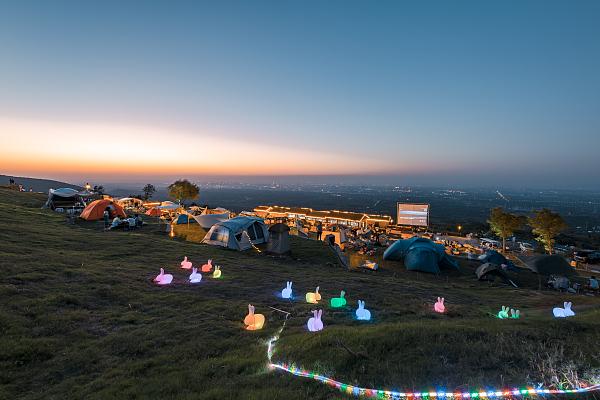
[
  {"x": 183, "y": 219},
  {"x": 420, "y": 254}
]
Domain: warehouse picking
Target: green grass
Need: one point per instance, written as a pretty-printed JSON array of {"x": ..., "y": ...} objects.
[{"x": 80, "y": 318}]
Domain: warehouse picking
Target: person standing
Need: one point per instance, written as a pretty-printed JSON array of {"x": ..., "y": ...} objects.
[
  {"x": 319, "y": 230},
  {"x": 106, "y": 218}
]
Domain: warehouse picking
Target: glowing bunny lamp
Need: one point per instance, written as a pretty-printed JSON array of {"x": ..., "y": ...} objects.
[
  {"x": 515, "y": 314},
  {"x": 207, "y": 267},
  {"x": 217, "y": 272},
  {"x": 563, "y": 312},
  {"x": 287, "y": 292},
  {"x": 185, "y": 264},
  {"x": 315, "y": 324},
  {"x": 162, "y": 278},
  {"x": 338, "y": 302},
  {"x": 313, "y": 298},
  {"x": 253, "y": 321},
  {"x": 195, "y": 277},
  {"x": 502, "y": 314},
  {"x": 439, "y": 305},
  {"x": 362, "y": 313}
]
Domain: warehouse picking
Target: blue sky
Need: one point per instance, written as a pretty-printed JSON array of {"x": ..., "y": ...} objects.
[{"x": 434, "y": 92}]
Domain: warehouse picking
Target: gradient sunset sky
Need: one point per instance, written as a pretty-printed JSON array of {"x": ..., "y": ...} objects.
[{"x": 446, "y": 92}]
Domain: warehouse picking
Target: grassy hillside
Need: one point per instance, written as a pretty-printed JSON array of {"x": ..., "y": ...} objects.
[
  {"x": 37, "y": 184},
  {"x": 81, "y": 318}
]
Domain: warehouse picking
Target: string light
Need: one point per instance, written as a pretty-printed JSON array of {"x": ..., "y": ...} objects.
[{"x": 389, "y": 394}]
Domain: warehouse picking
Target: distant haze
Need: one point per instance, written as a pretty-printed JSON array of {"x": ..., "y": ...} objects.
[{"x": 463, "y": 93}]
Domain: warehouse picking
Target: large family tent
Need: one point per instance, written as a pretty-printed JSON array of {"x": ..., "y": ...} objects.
[
  {"x": 95, "y": 210},
  {"x": 65, "y": 198},
  {"x": 130, "y": 202},
  {"x": 238, "y": 233},
  {"x": 420, "y": 254}
]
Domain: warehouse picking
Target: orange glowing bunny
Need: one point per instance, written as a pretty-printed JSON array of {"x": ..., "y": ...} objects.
[
  {"x": 207, "y": 267},
  {"x": 313, "y": 297},
  {"x": 253, "y": 321}
]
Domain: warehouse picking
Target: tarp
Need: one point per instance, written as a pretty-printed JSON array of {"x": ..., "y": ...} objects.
[
  {"x": 420, "y": 254},
  {"x": 95, "y": 210},
  {"x": 208, "y": 220},
  {"x": 552, "y": 265},
  {"x": 238, "y": 233}
]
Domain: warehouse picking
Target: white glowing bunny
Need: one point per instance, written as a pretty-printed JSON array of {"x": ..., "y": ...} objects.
[
  {"x": 563, "y": 312},
  {"x": 439, "y": 305},
  {"x": 362, "y": 313},
  {"x": 162, "y": 278},
  {"x": 195, "y": 277},
  {"x": 315, "y": 324},
  {"x": 287, "y": 292},
  {"x": 185, "y": 264}
]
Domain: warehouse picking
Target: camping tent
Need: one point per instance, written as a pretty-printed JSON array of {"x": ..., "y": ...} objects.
[
  {"x": 493, "y": 257},
  {"x": 420, "y": 254},
  {"x": 154, "y": 212},
  {"x": 183, "y": 219},
  {"x": 279, "y": 239},
  {"x": 238, "y": 233},
  {"x": 488, "y": 271},
  {"x": 130, "y": 202},
  {"x": 95, "y": 210},
  {"x": 65, "y": 198},
  {"x": 552, "y": 265},
  {"x": 208, "y": 220}
]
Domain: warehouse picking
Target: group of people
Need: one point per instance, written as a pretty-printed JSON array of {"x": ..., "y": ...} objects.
[
  {"x": 117, "y": 222},
  {"x": 562, "y": 283}
]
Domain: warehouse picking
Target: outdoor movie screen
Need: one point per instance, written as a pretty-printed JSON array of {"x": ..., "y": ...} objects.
[{"x": 413, "y": 214}]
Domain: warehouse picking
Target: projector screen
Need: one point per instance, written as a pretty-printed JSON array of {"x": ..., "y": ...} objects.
[{"x": 413, "y": 214}]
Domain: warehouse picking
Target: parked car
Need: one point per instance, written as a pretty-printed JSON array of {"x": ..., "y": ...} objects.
[{"x": 526, "y": 247}]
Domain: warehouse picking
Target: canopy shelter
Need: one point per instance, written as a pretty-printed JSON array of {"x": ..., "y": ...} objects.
[
  {"x": 552, "y": 265},
  {"x": 238, "y": 233},
  {"x": 95, "y": 210},
  {"x": 279, "y": 239},
  {"x": 420, "y": 254},
  {"x": 488, "y": 272},
  {"x": 130, "y": 202},
  {"x": 65, "y": 198},
  {"x": 206, "y": 221}
]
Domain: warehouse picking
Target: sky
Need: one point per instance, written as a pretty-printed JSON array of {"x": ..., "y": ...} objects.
[{"x": 431, "y": 92}]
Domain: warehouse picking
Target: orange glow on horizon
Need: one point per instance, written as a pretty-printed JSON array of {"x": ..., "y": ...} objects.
[{"x": 49, "y": 148}]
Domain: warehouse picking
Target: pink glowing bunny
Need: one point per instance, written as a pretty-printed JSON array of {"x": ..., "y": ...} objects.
[
  {"x": 162, "y": 278},
  {"x": 185, "y": 264},
  {"x": 439, "y": 305}
]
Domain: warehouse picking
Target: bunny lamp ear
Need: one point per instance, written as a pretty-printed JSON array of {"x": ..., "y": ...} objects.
[
  {"x": 443, "y": 300},
  {"x": 162, "y": 271},
  {"x": 319, "y": 313},
  {"x": 317, "y": 290}
]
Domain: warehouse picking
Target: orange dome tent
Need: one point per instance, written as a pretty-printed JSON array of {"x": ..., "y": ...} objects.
[
  {"x": 95, "y": 210},
  {"x": 154, "y": 212}
]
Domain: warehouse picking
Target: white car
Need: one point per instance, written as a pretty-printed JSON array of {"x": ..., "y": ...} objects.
[{"x": 525, "y": 247}]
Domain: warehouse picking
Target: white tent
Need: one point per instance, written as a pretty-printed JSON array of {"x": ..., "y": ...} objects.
[
  {"x": 238, "y": 233},
  {"x": 65, "y": 198}
]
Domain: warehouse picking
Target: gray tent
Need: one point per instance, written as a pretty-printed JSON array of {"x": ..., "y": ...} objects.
[
  {"x": 65, "y": 198},
  {"x": 279, "y": 239},
  {"x": 238, "y": 233},
  {"x": 488, "y": 271},
  {"x": 552, "y": 265}
]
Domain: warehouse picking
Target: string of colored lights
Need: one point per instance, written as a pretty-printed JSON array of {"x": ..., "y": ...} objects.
[{"x": 388, "y": 394}]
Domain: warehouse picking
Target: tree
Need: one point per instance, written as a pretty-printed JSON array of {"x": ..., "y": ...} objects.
[
  {"x": 504, "y": 224},
  {"x": 546, "y": 225},
  {"x": 183, "y": 190},
  {"x": 148, "y": 190}
]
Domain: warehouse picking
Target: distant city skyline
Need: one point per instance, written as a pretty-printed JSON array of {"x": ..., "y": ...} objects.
[{"x": 463, "y": 93}]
